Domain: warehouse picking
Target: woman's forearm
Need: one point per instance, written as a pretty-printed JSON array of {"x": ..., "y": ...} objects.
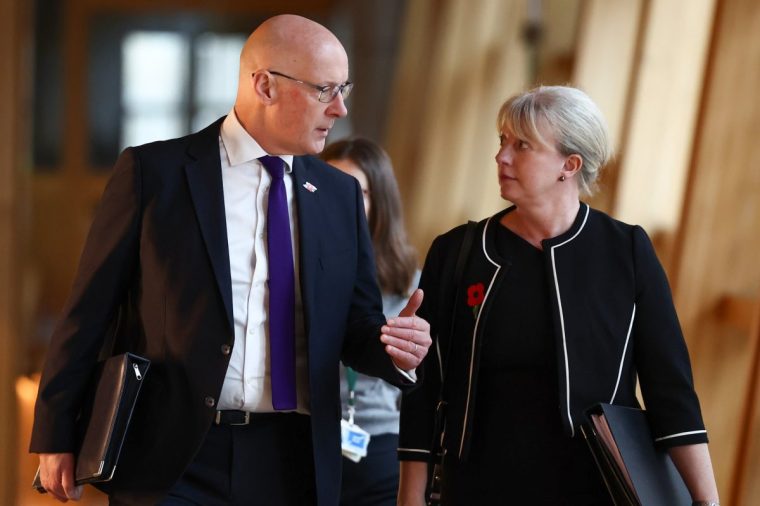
[
  {"x": 412, "y": 482},
  {"x": 694, "y": 464}
]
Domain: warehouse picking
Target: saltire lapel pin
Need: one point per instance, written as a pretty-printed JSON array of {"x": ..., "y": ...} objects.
[{"x": 310, "y": 187}]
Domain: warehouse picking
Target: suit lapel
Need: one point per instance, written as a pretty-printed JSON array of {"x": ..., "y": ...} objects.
[
  {"x": 310, "y": 221},
  {"x": 204, "y": 178}
]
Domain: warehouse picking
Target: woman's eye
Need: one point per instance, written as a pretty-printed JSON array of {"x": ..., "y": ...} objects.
[{"x": 522, "y": 145}]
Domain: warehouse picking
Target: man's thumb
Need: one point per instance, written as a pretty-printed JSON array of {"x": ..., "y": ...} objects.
[{"x": 414, "y": 303}]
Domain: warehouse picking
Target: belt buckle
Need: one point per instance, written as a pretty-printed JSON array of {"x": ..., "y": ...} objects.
[{"x": 246, "y": 420}]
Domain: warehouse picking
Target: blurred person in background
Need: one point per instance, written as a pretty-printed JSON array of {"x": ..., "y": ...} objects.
[
  {"x": 560, "y": 307},
  {"x": 371, "y": 403}
]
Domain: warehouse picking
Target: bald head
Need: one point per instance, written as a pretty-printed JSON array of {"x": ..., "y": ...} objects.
[
  {"x": 289, "y": 43},
  {"x": 283, "y": 65}
]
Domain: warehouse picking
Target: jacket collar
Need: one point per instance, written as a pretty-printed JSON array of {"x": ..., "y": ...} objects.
[
  {"x": 489, "y": 232},
  {"x": 204, "y": 179}
]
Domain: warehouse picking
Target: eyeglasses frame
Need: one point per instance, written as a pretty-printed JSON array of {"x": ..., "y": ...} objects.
[{"x": 344, "y": 89}]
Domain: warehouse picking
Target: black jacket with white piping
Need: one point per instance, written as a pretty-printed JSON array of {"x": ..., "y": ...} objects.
[{"x": 613, "y": 319}]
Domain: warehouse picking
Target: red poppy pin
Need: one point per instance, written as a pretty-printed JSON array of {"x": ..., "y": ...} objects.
[{"x": 475, "y": 295}]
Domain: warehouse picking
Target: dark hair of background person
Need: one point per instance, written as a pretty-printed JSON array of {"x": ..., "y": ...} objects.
[{"x": 395, "y": 258}]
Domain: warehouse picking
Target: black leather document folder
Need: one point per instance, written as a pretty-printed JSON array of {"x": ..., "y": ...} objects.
[
  {"x": 635, "y": 472},
  {"x": 104, "y": 420}
]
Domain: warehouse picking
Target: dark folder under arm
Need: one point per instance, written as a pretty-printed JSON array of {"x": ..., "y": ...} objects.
[
  {"x": 104, "y": 420},
  {"x": 635, "y": 472}
]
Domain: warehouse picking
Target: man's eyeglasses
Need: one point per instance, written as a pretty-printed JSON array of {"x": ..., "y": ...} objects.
[{"x": 327, "y": 92}]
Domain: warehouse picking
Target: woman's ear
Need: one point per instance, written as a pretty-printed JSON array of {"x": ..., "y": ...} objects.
[{"x": 573, "y": 165}]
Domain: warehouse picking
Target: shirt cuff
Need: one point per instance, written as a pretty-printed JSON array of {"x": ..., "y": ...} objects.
[{"x": 411, "y": 374}]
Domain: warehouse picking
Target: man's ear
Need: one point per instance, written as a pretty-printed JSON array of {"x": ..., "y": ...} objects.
[{"x": 263, "y": 86}]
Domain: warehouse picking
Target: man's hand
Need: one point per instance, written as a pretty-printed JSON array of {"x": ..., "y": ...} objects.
[
  {"x": 407, "y": 337},
  {"x": 57, "y": 476}
]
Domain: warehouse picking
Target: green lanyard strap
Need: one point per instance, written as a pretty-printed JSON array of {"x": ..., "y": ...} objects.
[{"x": 351, "y": 377}]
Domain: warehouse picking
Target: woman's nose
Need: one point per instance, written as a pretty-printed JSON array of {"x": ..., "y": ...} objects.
[{"x": 504, "y": 155}]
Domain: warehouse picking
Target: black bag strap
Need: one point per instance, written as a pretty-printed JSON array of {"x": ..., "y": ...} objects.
[
  {"x": 433, "y": 484},
  {"x": 464, "y": 254}
]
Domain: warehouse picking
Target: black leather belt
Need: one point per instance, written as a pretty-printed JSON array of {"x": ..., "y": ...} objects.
[
  {"x": 232, "y": 417},
  {"x": 236, "y": 417}
]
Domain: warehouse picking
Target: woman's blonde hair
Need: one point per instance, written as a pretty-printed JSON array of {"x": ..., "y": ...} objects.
[{"x": 574, "y": 119}]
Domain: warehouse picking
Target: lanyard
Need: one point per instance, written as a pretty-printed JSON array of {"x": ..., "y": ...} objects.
[{"x": 351, "y": 377}]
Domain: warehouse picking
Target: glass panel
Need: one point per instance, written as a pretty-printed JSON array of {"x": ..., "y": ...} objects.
[
  {"x": 149, "y": 126},
  {"x": 204, "y": 116},
  {"x": 155, "y": 73},
  {"x": 216, "y": 75},
  {"x": 155, "y": 67}
]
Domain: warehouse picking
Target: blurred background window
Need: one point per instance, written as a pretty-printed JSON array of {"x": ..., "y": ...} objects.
[
  {"x": 174, "y": 84},
  {"x": 153, "y": 78},
  {"x": 155, "y": 68}
]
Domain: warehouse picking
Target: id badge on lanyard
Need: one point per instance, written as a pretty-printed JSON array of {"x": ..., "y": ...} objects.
[{"x": 354, "y": 439}]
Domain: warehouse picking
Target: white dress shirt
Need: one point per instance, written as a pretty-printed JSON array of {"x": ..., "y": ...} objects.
[{"x": 247, "y": 384}]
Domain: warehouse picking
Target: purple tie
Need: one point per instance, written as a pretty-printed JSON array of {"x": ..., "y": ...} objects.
[{"x": 281, "y": 290}]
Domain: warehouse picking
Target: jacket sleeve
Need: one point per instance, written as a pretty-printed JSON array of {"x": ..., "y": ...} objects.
[
  {"x": 107, "y": 263},
  {"x": 362, "y": 348},
  {"x": 418, "y": 405},
  {"x": 662, "y": 360}
]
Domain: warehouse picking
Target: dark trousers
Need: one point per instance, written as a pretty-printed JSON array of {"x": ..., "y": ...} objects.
[
  {"x": 268, "y": 462},
  {"x": 373, "y": 481}
]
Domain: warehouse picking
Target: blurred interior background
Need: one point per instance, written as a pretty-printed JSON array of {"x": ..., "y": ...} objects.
[{"x": 678, "y": 81}]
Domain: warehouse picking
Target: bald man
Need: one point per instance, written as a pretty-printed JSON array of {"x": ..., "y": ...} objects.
[{"x": 180, "y": 255}]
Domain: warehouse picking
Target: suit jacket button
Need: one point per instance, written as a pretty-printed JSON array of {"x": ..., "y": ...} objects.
[
  {"x": 210, "y": 402},
  {"x": 226, "y": 348}
]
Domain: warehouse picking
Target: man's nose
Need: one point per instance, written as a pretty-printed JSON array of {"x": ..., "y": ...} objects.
[{"x": 337, "y": 107}]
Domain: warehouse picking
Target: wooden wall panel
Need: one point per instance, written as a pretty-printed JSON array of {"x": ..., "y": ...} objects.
[
  {"x": 606, "y": 47},
  {"x": 718, "y": 239},
  {"x": 667, "y": 86},
  {"x": 10, "y": 137},
  {"x": 453, "y": 79},
  {"x": 744, "y": 488}
]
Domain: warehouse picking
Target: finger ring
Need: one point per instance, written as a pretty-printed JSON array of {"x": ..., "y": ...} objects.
[{"x": 415, "y": 348}]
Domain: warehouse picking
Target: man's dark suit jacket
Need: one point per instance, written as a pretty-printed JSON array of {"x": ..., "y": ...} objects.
[{"x": 156, "y": 260}]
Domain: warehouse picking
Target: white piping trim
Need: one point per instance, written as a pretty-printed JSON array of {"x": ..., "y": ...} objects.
[
  {"x": 622, "y": 357},
  {"x": 414, "y": 450},
  {"x": 440, "y": 358},
  {"x": 689, "y": 433},
  {"x": 562, "y": 320},
  {"x": 475, "y": 332}
]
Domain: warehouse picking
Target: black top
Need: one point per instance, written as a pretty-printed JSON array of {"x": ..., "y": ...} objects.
[{"x": 519, "y": 451}]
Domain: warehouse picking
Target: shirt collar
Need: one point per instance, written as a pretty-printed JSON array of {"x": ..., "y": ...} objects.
[{"x": 241, "y": 147}]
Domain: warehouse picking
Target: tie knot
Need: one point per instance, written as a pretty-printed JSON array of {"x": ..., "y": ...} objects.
[{"x": 274, "y": 165}]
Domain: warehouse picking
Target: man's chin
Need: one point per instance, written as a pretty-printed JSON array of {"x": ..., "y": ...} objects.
[{"x": 317, "y": 147}]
